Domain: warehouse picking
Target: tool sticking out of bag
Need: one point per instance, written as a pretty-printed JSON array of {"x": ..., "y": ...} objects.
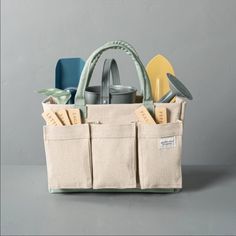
[
  {"x": 177, "y": 88},
  {"x": 157, "y": 68},
  {"x": 67, "y": 75},
  {"x": 74, "y": 115},
  {"x": 59, "y": 96},
  {"x": 62, "y": 117},
  {"x": 144, "y": 116},
  {"x": 161, "y": 115},
  {"x": 51, "y": 118}
]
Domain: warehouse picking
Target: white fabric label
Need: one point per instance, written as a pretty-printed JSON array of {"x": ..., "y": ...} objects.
[{"x": 167, "y": 142}]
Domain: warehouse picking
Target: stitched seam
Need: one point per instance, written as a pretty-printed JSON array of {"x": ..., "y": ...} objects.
[
  {"x": 63, "y": 139},
  {"x": 128, "y": 137}
]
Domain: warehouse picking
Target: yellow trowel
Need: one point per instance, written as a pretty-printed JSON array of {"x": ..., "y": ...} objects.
[{"x": 157, "y": 69}]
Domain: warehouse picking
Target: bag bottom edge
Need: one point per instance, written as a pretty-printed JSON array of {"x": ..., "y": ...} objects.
[{"x": 133, "y": 190}]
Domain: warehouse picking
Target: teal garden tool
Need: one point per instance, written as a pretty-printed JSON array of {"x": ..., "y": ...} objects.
[{"x": 67, "y": 75}]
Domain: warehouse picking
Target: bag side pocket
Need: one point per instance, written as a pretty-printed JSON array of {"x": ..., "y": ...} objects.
[
  {"x": 160, "y": 150},
  {"x": 114, "y": 156},
  {"x": 68, "y": 156}
]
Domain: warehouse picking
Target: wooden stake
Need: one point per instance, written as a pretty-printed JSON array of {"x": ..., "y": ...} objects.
[
  {"x": 161, "y": 115},
  {"x": 74, "y": 115},
  {"x": 144, "y": 116},
  {"x": 51, "y": 118}
]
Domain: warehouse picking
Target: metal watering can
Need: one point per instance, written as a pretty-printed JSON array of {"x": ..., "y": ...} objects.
[{"x": 110, "y": 94}]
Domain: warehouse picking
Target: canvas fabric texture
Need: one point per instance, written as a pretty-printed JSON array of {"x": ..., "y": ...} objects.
[{"x": 116, "y": 153}]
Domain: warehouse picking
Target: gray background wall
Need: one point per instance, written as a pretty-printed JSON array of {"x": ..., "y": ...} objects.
[{"x": 198, "y": 37}]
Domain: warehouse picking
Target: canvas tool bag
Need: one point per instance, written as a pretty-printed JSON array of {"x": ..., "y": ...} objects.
[{"x": 111, "y": 151}]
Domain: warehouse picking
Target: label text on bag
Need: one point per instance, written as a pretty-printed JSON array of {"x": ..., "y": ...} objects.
[{"x": 167, "y": 142}]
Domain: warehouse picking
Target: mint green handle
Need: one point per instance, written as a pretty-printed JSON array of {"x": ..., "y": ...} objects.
[
  {"x": 134, "y": 56},
  {"x": 125, "y": 44},
  {"x": 90, "y": 65}
]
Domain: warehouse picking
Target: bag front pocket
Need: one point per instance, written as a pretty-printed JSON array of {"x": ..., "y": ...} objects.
[
  {"x": 68, "y": 156},
  {"x": 160, "y": 149},
  {"x": 114, "y": 156}
]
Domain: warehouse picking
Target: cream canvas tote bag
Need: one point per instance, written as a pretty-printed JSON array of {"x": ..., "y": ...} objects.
[{"x": 111, "y": 151}]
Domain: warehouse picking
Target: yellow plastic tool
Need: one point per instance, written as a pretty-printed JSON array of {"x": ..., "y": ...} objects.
[{"x": 157, "y": 68}]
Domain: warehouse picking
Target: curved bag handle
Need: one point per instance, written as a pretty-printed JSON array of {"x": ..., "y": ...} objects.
[
  {"x": 131, "y": 48},
  {"x": 89, "y": 67},
  {"x": 109, "y": 67},
  {"x": 118, "y": 45}
]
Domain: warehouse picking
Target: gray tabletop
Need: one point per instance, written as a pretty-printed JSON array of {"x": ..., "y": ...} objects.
[{"x": 207, "y": 205}]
